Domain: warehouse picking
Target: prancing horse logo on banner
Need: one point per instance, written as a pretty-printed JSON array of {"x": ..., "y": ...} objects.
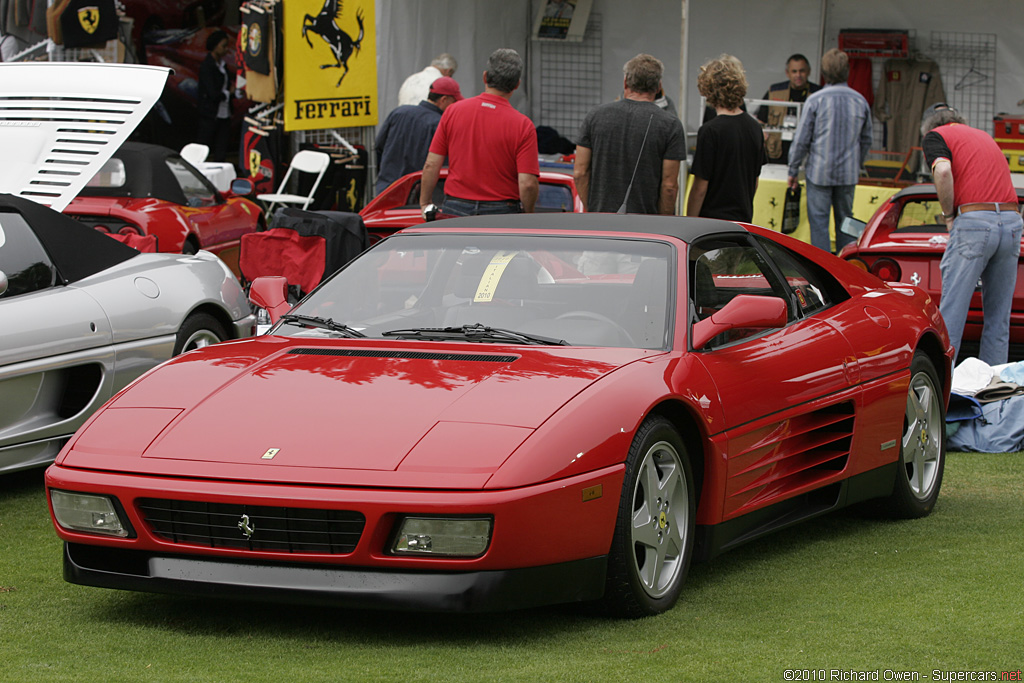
[
  {"x": 325, "y": 25},
  {"x": 89, "y": 18}
]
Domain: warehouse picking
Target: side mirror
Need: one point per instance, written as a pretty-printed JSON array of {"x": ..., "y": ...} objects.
[
  {"x": 270, "y": 293},
  {"x": 745, "y": 310},
  {"x": 852, "y": 227},
  {"x": 3, "y": 283},
  {"x": 241, "y": 187}
]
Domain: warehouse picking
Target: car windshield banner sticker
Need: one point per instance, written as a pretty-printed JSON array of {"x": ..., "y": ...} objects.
[
  {"x": 330, "y": 64},
  {"x": 492, "y": 275}
]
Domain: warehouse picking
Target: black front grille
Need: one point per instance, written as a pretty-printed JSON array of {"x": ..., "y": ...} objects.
[{"x": 274, "y": 529}]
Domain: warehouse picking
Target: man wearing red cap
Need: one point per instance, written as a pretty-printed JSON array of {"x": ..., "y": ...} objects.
[
  {"x": 404, "y": 139},
  {"x": 491, "y": 149}
]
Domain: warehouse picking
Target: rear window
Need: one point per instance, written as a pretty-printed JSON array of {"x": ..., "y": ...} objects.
[
  {"x": 921, "y": 216},
  {"x": 112, "y": 174},
  {"x": 22, "y": 258}
]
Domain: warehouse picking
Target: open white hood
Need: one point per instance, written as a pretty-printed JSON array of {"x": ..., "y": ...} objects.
[{"x": 61, "y": 121}]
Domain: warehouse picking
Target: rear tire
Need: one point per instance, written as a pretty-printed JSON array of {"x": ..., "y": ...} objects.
[
  {"x": 199, "y": 330},
  {"x": 922, "y": 446},
  {"x": 653, "y": 541}
]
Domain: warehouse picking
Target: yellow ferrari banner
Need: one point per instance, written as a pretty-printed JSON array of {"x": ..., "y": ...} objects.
[{"x": 330, "y": 64}]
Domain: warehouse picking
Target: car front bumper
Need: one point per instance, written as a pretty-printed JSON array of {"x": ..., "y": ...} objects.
[{"x": 348, "y": 587}]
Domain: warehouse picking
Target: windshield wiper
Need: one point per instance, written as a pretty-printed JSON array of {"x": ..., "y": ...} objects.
[
  {"x": 323, "y": 323},
  {"x": 475, "y": 332}
]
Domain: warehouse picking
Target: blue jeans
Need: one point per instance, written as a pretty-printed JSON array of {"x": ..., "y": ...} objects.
[
  {"x": 982, "y": 245},
  {"x": 454, "y": 206},
  {"x": 821, "y": 198}
]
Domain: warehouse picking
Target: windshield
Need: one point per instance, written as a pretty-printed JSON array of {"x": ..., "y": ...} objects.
[{"x": 574, "y": 290}]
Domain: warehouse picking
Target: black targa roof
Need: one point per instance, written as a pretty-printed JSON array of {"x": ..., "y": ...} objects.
[
  {"x": 75, "y": 249},
  {"x": 147, "y": 174}
]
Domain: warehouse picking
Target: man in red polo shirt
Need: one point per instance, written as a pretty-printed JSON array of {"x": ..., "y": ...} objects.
[
  {"x": 979, "y": 206},
  {"x": 491, "y": 149}
]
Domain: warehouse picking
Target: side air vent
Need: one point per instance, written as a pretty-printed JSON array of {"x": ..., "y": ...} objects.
[
  {"x": 791, "y": 455},
  {"x": 409, "y": 355}
]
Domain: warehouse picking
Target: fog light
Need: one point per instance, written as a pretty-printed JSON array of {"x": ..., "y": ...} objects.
[
  {"x": 87, "y": 512},
  {"x": 443, "y": 536}
]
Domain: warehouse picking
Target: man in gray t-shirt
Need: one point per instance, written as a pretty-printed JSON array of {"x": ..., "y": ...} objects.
[{"x": 611, "y": 143}]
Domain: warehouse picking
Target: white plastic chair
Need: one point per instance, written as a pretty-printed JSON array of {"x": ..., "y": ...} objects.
[
  {"x": 306, "y": 161},
  {"x": 194, "y": 153}
]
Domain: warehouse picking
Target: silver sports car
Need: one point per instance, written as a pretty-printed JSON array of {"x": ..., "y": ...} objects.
[{"x": 82, "y": 315}]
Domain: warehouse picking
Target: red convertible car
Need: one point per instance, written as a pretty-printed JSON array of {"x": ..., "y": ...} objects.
[
  {"x": 904, "y": 242},
  {"x": 150, "y": 190},
  {"x": 503, "y": 411},
  {"x": 398, "y": 206}
]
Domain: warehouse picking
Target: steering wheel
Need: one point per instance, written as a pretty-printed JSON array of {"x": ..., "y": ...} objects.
[{"x": 591, "y": 315}]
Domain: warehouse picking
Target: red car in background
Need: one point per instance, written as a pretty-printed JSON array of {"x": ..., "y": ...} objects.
[
  {"x": 398, "y": 206},
  {"x": 150, "y": 190},
  {"x": 904, "y": 242}
]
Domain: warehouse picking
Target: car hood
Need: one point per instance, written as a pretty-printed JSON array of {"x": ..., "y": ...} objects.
[{"x": 358, "y": 412}]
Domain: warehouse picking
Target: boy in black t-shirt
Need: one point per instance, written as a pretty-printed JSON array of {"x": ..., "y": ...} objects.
[{"x": 730, "y": 147}]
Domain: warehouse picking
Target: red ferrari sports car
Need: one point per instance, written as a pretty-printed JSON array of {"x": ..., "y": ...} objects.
[
  {"x": 150, "y": 190},
  {"x": 503, "y": 411},
  {"x": 398, "y": 206},
  {"x": 904, "y": 242}
]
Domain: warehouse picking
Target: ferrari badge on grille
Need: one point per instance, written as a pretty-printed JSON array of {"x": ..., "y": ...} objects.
[{"x": 248, "y": 529}]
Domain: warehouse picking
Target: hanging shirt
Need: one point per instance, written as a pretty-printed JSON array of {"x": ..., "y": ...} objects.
[{"x": 907, "y": 88}]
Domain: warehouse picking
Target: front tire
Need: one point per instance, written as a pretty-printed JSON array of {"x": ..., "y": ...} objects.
[
  {"x": 922, "y": 446},
  {"x": 653, "y": 541},
  {"x": 198, "y": 330}
]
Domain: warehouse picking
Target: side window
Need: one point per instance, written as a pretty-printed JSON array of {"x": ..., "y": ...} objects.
[
  {"x": 22, "y": 258},
  {"x": 197, "y": 192},
  {"x": 723, "y": 268},
  {"x": 414, "y": 195},
  {"x": 554, "y": 198},
  {"x": 810, "y": 286}
]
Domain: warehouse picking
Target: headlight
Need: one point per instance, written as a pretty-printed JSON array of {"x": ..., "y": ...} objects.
[
  {"x": 87, "y": 512},
  {"x": 442, "y": 536}
]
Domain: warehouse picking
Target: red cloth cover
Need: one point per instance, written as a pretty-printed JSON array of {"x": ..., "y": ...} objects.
[{"x": 281, "y": 251}]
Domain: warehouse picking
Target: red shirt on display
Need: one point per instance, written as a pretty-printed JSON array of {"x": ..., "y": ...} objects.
[
  {"x": 488, "y": 144},
  {"x": 980, "y": 171}
]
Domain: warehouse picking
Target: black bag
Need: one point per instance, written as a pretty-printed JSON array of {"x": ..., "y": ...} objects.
[{"x": 791, "y": 211}]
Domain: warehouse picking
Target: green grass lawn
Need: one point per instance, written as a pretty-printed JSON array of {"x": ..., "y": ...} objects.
[{"x": 842, "y": 592}]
